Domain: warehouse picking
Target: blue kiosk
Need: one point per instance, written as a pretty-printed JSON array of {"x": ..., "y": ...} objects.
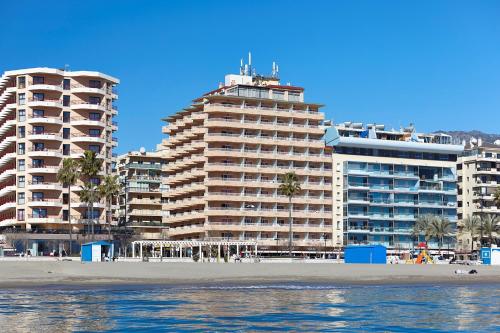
[
  {"x": 365, "y": 254},
  {"x": 490, "y": 255},
  {"x": 97, "y": 251}
]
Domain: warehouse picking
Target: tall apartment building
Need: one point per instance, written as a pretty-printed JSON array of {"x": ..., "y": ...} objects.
[
  {"x": 140, "y": 175},
  {"x": 46, "y": 115},
  {"x": 226, "y": 153},
  {"x": 385, "y": 179},
  {"x": 478, "y": 179}
]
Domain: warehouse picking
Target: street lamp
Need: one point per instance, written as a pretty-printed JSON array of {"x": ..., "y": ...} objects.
[
  {"x": 324, "y": 238},
  {"x": 482, "y": 193},
  {"x": 277, "y": 246}
]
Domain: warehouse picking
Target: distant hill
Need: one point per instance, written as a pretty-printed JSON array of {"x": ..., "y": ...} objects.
[{"x": 466, "y": 135}]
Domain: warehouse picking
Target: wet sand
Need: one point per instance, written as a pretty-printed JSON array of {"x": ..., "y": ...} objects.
[{"x": 26, "y": 273}]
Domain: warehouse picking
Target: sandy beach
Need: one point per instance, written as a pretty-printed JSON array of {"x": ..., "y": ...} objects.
[{"x": 26, "y": 273}]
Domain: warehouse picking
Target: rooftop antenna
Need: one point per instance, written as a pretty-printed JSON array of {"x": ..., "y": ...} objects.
[
  {"x": 250, "y": 63},
  {"x": 66, "y": 67},
  {"x": 242, "y": 68}
]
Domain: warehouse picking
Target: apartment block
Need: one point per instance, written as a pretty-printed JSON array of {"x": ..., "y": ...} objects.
[
  {"x": 140, "y": 174},
  {"x": 225, "y": 155},
  {"x": 47, "y": 115},
  {"x": 478, "y": 178},
  {"x": 383, "y": 180}
]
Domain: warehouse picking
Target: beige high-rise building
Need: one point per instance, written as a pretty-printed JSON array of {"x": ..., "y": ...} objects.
[
  {"x": 478, "y": 179},
  {"x": 140, "y": 175},
  {"x": 47, "y": 115},
  {"x": 226, "y": 153}
]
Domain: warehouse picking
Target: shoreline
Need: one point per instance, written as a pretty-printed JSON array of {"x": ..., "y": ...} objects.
[{"x": 66, "y": 274}]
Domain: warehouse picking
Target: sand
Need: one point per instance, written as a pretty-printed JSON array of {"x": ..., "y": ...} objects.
[{"x": 42, "y": 273}]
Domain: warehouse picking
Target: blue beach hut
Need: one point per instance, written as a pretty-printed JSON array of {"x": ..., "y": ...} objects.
[
  {"x": 97, "y": 251},
  {"x": 365, "y": 254}
]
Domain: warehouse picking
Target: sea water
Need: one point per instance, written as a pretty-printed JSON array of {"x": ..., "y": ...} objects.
[{"x": 252, "y": 308}]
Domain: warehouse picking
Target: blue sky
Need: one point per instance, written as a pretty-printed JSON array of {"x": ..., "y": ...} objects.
[{"x": 434, "y": 63}]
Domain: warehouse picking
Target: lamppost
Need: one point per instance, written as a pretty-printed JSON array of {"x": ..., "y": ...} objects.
[
  {"x": 324, "y": 238},
  {"x": 277, "y": 245},
  {"x": 481, "y": 194}
]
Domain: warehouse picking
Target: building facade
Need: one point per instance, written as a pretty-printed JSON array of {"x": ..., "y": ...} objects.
[
  {"x": 383, "y": 180},
  {"x": 47, "y": 115},
  {"x": 140, "y": 174},
  {"x": 226, "y": 153}
]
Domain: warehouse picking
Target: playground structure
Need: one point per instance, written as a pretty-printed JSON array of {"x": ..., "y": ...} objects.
[{"x": 423, "y": 256}]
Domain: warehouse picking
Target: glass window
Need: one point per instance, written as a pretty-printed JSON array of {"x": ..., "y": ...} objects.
[
  {"x": 37, "y": 179},
  {"x": 20, "y": 214},
  {"x": 66, "y": 133},
  {"x": 95, "y": 84},
  {"x": 20, "y": 181},
  {"x": 66, "y": 100},
  {"x": 38, "y": 146},
  {"x": 21, "y": 165},
  {"x": 95, "y": 148},
  {"x": 66, "y": 150},
  {"x": 20, "y": 198},
  {"x": 66, "y": 84},
  {"x": 21, "y": 82},
  {"x": 21, "y": 115},
  {"x": 20, "y": 148},
  {"x": 94, "y": 116},
  {"x": 65, "y": 215},
  {"x": 37, "y": 196},
  {"x": 66, "y": 116},
  {"x": 39, "y": 212},
  {"x": 38, "y": 80},
  {"x": 38, "y": 113},
  {"x": 21, "y": 132},
  {"x": 93, "y": 132},
  {"x": 95, "y": 181},
  {"x": 38, "y": 129},
  {"x": 38, "y": 96},
  {"x": 94, "y": 100},
  {"x": 37, "y": 163},
  {"x": 21, "y": 99}
]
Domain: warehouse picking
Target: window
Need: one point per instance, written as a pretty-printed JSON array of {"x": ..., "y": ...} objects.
[
  {"x": 21, "y": 82},
  {"x": 21, "y": 165},
  {"x": 66, "y": 150},
  {"x": 66, "y": 84},
  {"x": 20, "y": 214},
  {"x": 37, "y": 180},
  {"x": 94, "y": 116},
  {"x": 39, "y": 213},
  {"x": 21, "y": 99},
  {"x": 21, "y": 115},
  {"x": 38, "y": 146},
  {"x": 95, "y": 181},
  {"x": 38, "y": 80},
  {"x": 38, "y": 113},
  {"x": 65, "y": 215},
  {"x": 66, "y": 117},
  {"x": 38, "y": 96},
  {"x": 66, "y": 133},
  {"x": 20, "y": 181},
  {"x": 21, "y": 148},
  {"x": 37, "y": 163},
  {"x": 21, "y": 132},
  {"x": 20, "y": 198},
  {"x": 66, "y": 100},
  {"x": 95, "y": 133},
  {"x": 37, "y": 196},
  {"x": 38, "y": 130},
  {"x": 94, "y": 100},
  {"x": 95, "y": 148},
  {"x": 95, "y": 84}
]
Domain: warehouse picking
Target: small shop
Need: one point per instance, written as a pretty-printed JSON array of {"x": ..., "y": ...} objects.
[{"x": 97, "y": 251}]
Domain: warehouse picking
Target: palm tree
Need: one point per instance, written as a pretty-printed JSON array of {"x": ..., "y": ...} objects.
[
  {"x": 290, "y": 187},
  {"x": 489, "y": 226},
  {"x": 109, "y": 189},
  {"x": 421, "y": 226},
  {"x": 496, "y": 196},
  {"x": 90, "y": 166},
  {"x": 89, "y": 194},
  {"x": 470, "y": 225},
  {"x": 439, "y": 228},
  {"x": 67, "y": 176}
]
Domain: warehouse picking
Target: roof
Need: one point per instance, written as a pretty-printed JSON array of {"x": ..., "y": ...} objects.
[{"x": 97, "y": 243}]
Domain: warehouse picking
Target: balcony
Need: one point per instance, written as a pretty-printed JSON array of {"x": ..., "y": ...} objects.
[
  {"x": 37, "y": 119},
  {"x": 45, "y": 152},
  {"x": 43, "y": 168},
  {"x": 83, "y": 89},
  {"x": 45, "y": 103},
  {"x": 82, "y": 121},
  {"x": 40, "y": 136},
  {"x": 33, "y": 186},
  {"x": 82, "y": 137},
  {"x": 78, "y": 153},
  {"x": 45, "y": 202},
  {"x": 83, "y": 105},
  {"x": 40, "y": 219},
  {"x": 156, "y": 166}
]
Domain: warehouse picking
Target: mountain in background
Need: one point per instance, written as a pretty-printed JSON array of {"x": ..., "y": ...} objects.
[{"x": 466, "y": 135}]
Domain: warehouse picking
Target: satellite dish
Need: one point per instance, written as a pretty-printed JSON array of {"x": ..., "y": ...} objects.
[{"x": 142, "y": 150}]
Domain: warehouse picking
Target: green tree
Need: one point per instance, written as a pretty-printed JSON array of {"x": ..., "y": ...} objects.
[
  {"x": 421, "y": 226},
  {"x": 439, "y": 228},
  {"x": 109, "y": 190},
  {"x": 289, "y": 186},
  {"x": 90, "y": 194},
  {"x": 489, "y": 227},
  {"x": 67, "y": 176},
  {"x": 90, "y": 166},
  {"x": 470, "y": 226}
]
